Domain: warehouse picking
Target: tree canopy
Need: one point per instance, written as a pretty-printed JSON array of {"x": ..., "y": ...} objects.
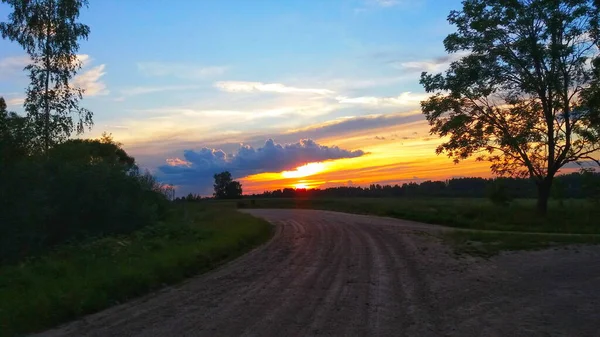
[
  {"x": 517, "y": 96},
  {"x": 225, "y": 187},
  {"x": 49, "y": 33}
]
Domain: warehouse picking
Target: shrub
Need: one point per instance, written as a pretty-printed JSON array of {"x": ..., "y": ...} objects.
[
  {"x": 79, "y": 189},
  {"x": 498, "y": 194}
]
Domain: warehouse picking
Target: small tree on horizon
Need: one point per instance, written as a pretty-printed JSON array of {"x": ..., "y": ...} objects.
[
  {"x": 522, "y": 98},
  {"x": 225, "y": 187}
]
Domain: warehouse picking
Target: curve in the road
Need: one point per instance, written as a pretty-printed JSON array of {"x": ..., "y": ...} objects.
[{"x": 325, "y": 273}]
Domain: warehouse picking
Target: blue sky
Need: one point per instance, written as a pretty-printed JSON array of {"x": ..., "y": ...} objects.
[{"x": 164, "y": 77}]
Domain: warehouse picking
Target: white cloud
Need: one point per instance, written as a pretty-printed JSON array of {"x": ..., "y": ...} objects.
[
  {"x": 227, "y": 115},
  {"x": 341, "y": 84},
  {"x": 14, "y": 62},
  {"x": 85, "y": 59},
  {"x": 432, "y": 65},
  {"x": 149, "y": 90},
  {"x": 404, "y": 99},
  {"x": 385, "y": 3},
  {"x": 239, "y": 86},
  {"x": 11, "y": 66},
  {"x": 179, "y": 70},
  {"x": 90, "y": 81},
  {"x": 15, "y": 101}
]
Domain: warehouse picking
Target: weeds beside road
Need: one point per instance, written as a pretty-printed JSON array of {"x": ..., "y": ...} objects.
[{"x": 86, "y": 277}]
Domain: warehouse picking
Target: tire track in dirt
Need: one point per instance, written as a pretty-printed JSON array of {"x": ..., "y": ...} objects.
[{"x": 332, "y": 274}]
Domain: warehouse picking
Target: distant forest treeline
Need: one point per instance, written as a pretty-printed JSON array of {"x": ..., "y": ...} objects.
[{"x": 574, "y": 185}]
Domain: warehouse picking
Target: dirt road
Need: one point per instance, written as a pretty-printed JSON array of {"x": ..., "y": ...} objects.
[{"x": 335, "y": 274}]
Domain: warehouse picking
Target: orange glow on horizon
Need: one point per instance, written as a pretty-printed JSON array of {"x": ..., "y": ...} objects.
[
  {"x": 305, "y": 170},
  {"x": 399, "y": 155}
]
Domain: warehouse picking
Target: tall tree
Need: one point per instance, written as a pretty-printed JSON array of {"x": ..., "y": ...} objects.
[
  {"x": 515, "y": 98},
  {"x": 591, "y": 103},
  {"x": 49, "y": 32}
]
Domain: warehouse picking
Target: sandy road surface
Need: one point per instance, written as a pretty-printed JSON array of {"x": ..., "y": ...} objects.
[{"x": 335, "y": 274}]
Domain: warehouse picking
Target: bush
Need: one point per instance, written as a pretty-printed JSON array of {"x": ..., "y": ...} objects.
[
  {"x": 79, "y": 189},
  {"x": 498, "y": 194},
  {"x": 591, "y": 185}
]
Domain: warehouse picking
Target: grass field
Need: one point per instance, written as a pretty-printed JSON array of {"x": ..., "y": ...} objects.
[
  {"x": 575, "y": 216},
  {"x": 514, "y": 227},
  {"x": 83, "y": 278},
  {"x": 487, "y": 244}
]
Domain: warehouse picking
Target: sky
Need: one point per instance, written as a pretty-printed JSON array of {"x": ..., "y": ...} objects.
[{"x": 287, "y": 93}]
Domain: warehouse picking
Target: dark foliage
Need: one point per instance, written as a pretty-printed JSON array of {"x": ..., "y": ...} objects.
[
  {"x": 54, "y": 190},
  {"x": 524, "y": 96},
  {"x": 226, "y": 187},
  {"x": 498, "y": 193},
  {"x": 574, "y": 185},
  {"x": 80, "y": 188}
]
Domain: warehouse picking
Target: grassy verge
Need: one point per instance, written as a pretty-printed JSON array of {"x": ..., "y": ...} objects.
[
  {"x": 83, "y": 278},
  {"x": 574, "y": 216},
  {"x": 504, "y": 228},
  {"x": 487, "y": 244}
]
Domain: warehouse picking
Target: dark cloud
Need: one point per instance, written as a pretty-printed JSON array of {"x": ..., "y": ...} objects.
[{"x": 197, "y": 168}]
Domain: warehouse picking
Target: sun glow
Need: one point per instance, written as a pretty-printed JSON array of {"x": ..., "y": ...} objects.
[
  {"x": 301, "y": 186},
  {"x": 305, "y": 170}
]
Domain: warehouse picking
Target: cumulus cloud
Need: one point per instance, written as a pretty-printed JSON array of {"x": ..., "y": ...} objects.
[
  {"x": 198, "y": 167},
  {"x": 179, "y": 70},
  {"x": 240, "y": 86}
]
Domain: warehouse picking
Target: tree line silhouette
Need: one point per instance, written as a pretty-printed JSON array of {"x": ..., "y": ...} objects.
[{"x": 574, "y": 185}]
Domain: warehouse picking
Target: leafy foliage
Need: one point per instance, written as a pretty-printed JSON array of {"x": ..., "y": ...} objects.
[
  {"x": 225, "y": 187},
  {"x": 49, "y": 33},
  {"x": 80, "y": 188},
  {"x": 498, "y": 193},
  {"x": 515, "y": 98},
  {"x": 15, "y": 135},
  {"x": 591, "y": 185}
]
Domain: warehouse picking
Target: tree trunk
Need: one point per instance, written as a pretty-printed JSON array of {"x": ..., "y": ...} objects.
[
  {"x": 544, "y": 187},
  {"x": 46, "y": 95}
]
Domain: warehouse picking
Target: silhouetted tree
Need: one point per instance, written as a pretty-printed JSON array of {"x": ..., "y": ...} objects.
[
  {"x": 15, "y": 135},
  {"x": 514, "y": 100},
  {"x": 225, "y": 187},
  {"x": 49, "y": 33},
  {"x": 234, "y": 190}
]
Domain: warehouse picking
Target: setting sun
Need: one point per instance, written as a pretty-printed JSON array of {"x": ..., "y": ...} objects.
[
  {"x": 305, "y": 170},
  {"x": 301, "y": 186}
]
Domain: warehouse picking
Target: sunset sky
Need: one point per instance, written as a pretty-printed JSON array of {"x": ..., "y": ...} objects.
[{"x": 260, "y": 88}]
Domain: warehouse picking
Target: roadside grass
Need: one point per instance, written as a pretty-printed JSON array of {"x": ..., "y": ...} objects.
[
  {"x": 574, "y": 216},
  {"x": 488, "y": 244},
  {"x": 82, "y": 278}
]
